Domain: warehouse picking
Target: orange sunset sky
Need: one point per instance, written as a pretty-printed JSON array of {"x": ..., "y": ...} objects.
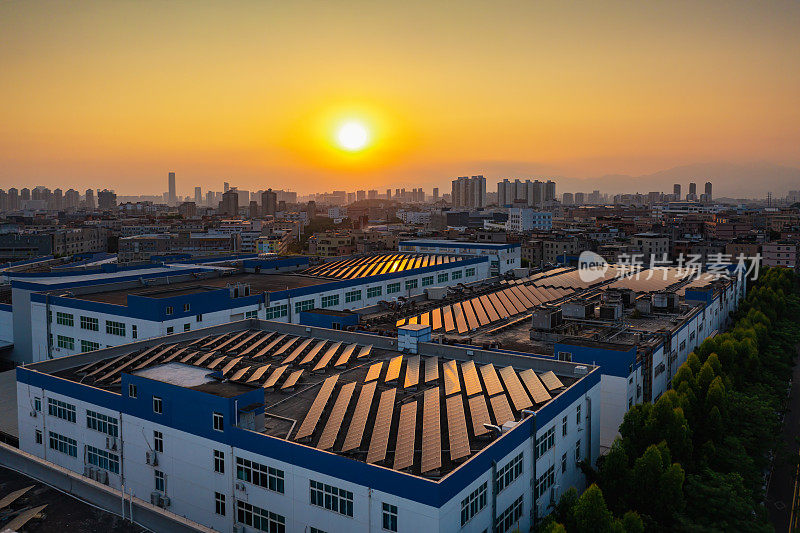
[{"x": 116, "y": 93}]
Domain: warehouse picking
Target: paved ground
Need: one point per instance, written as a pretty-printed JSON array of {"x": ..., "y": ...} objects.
[{"x": 784, "y": 485}]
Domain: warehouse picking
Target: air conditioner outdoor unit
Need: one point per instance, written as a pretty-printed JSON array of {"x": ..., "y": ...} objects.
[
  {"x": 88, "y": 471},
  {"x": 155, "y": 498},
  {"x": 151, "y": 458},
  {"x": 33, "y": 414},
  {"x": 240, "y": 486},
  {"x": 165, "y": 501}
]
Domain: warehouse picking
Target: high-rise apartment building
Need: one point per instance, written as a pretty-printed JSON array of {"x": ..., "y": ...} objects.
[
  {"x": 90, "y": 199},
  {"x": 531, "y": 193},
  {"x": 388, "y": 194},
  {"x": 708, "y": 191},
  {"x": 172, "y": 197},
  {"x": 230, "y": 203},
  {"x": 676, "y": 191},
  {"x": 692, "y": 196},
  {"x": 269, "y": 202},
  {"x": 436, "y": 194},
  {"x": 372, "y": 194},
  {"x": 361, "y": 195},
  {"x": 106, "y": 200},
  {"x": 198, "y": 196},
  {"x": 469, "y": 192}
]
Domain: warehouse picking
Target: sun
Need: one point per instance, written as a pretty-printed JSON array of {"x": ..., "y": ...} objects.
[{"x": 352, "y": 136}]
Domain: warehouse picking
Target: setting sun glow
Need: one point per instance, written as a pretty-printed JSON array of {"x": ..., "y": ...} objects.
[{"x": 352, "y": 136}]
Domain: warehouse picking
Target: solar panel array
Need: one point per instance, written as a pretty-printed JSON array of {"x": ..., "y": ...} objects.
[{"x": 375, "y": 265}]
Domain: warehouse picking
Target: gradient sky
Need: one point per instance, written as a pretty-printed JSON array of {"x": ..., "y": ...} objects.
[{"x": 116, "y": 93}]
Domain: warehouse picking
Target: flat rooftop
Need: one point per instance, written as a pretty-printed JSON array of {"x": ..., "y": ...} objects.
[{"x": 343, "y": 394}]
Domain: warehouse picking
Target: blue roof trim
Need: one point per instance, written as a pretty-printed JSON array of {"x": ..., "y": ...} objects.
[
  {"x": 33, "y": 286},
  {"x": 6, "y": 307}
]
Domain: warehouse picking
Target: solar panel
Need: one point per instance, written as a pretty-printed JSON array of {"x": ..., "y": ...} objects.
[
  {"x": 154, "y": 357},
  {"x": 216, "y": 362},
  {"x": 490, "y": 380},
  {"x": 203, "y": 358},
  {"x": 436, "y": 319},
  {"x": 245, "y": 341},
  {"x": 329, "y": 353},
  {"x": 239, "y": 373},
  {"x": 450, "y": 373},
  {"x": 406, "y": 435},
  {"x": 516, "y": 391},
  {"x": 312, "y": 417},
  {"x": 380, "y": 430},
  {"x": 188, "y": 356},
  {"x": 312, "y": 353},
  {"x": 228, "y": 367},
  {"x": 448, "y": 324},
  {"x": 431, "y": 369},
  {"x": 334, "y": 424},
  {"x": 535, "y": 386},
  {"x": 472, "y": 318},
  {"x": 502, "y": 411},
  {"x": 231, "y": 340},
  {"x": 374, "y": 371},
  {"x": 501, "y": 310},
  {"x": 412, "y": 372},
  {"x": 287, "y": 345},
  {"x": 480, "y": 313},
  {"x": 424, "y": 319},
  {"x": 529, "y": 293},
  {"x": 121, "y": 357},
  {"x": 515, "y": 303},
  {"x": 551, "y": 381},
  {"x": 273, "y": 378},
  {"x": 365, "y": 351},
  {"x": 358, "y": 422},
  {"x": 345, "y": 357},
  {"x": 269, "y": 346},
  {"x": 292, "y": 380},
  {"x": 393, "y": 372},
  {"x": 489, "y": 308},
  {"x": 472, "y": 384},
  {"x": 480, "y": 414},
  {"x": 461, "y": 323},
  {"x": 200, "y": 341},
  {"x": 213, "y": 340},
  {"x": 262, "y": 341},
  {"x": 297, "y": 351},
  {"x": 457, "y": 428},
  {"x": 431, "y": 431},
  {"x": 522, "y": 297},
  {"x": 258, "y": 373}
]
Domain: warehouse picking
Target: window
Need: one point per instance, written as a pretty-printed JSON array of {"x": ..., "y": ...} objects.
[
  {"x": 63, "y": 444},
  {"x": 198, "y": 318},
  {"x": 219, "y": 504},
  {"x": 90, "y": 323},
  {"x": 427, "y": 280},
  {"x": 115, "y": 328},
  {"x": 157, "y": 405},
  {"x": 219, "y": 462},
  {"x": 683, "y": 345},
  {"x": 374, "y": 292},
  {"x": 352, "y": 296},
  {"x": 389, "y": 517},
  {"x": 103, "y": 459},
  {"x": 392, "y": 288},
  {"x": 64, "y": 319},
  {"x": 564, "y": 462},
  {"x": 442, "y": 278},
  {"x": 305, "y": 305},
  {"x": 38, "y": 436},
  {"x": 564, "y": 426},
  {"x": 330, "y": 301},
  {"x": 473, "y": 504},
  {"x": 509, "y": 517},
  {"x": 170, "y": 330},
  {"x": 253, "y": 314},
  {"x": 168, "y": 310},
  {"x": 261, "y": 475},
  {"x": 508, "y": 473},
  {"x": 102, "y": 423},
  {"x": 158, "y": 441},
  {"x": 66, "y": 342},
  {"x": 544, "y": 482},
  {"x": 457, "y": 274},
  {"x": 187, "y": 327},
  {"x": 259, "y": 519},
  {"x": 578, "y": 418},
  {"x": 564, "y": 356},
  {"x": 160, "y": 482},
  {"x": 331, "y": 498},
  {"x": 134, "y": 332},
  {"x": 469, "y": 272},
  {"x": 411, "y": 284},
  {"x": 132, "y": 392},
  {"x": 37, "y": 404},
  {"x": 545, "y": 442},
  {"x": 277, "y": 311},
  {"x": 218, "y": 422},
  {"x": 578, "y": 451},
  {"x": 89, "y": 346},
  {"x": 62, "y": 410},
  {"x": 186, "y": 308},
  {"x": 312, "y": 529}
]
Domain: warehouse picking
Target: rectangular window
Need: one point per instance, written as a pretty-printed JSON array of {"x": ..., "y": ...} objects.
[
  {"x": 219, "y": 504},
  {"x": 330, "y": 301},
  {"x": 158, "y": 441},
  {"x": 103, "y": 459},
  {"x": 64, "y": 319},
  {"x": 508, "y": 518},
  {"x": 305, "y": 305},
  {"x": 102, "y": 423},
  {"x": 277, "y": 311},
  {"x": 218, "y": 422},
  {"x": 427, "y": 280},
  {"x": 198, "y": 318},
  {"x": 157, "y": 405},
  {"x": 132, "y": 392},
  {"x": 262, "y": 475},
  {"x": 508, "y": 473},
  {"x": 38, "y": 436},
  {"x": 66, "y": 342},
  {"x": 252, "y": 314},
  {"x": 564, "y": 462},
  {"x": 544, "y": 482},
  {"x": 683, "y": 345},
  {"x": 352, "y": 296},
  {"x": 545, "y": 441},
  {"x": 62, "y": 410},
  {"x": 473, "y": 504},
  {"x": 411, "y": 284},
  {"x": 389, "y": 517},
  {"x": 187, "y": 327},
  {"x": 457, "y": 274},
  {"x": 90, "y": 323},
  {"x": 134, "y": 331},
  {"x": 374, "y": 292},
  {"x": 160, "y": 481},
  {"x": 170, "y": 330},
  {"x": 115, "y": 328},
  {"x": 442, "y": 278},
  {"x": 37, "y": 404},
  {"x": 564, "y": 426},
  {"x": 169, "y": 310},
  {"x": 89, "y": 346},
  {"x": 578, "y": 451},
  {"x": 331, "y": 498},
  {"x": 392, "y": 288},
  {"x": 469, "y": 272},
  {"x": 578, "y": 417},
  {"x": 63, "y": 444},
  {"x": 259, "y": 519},
  {"x": 186, "y": 308},
  {"x": 219, "y": 462}
]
